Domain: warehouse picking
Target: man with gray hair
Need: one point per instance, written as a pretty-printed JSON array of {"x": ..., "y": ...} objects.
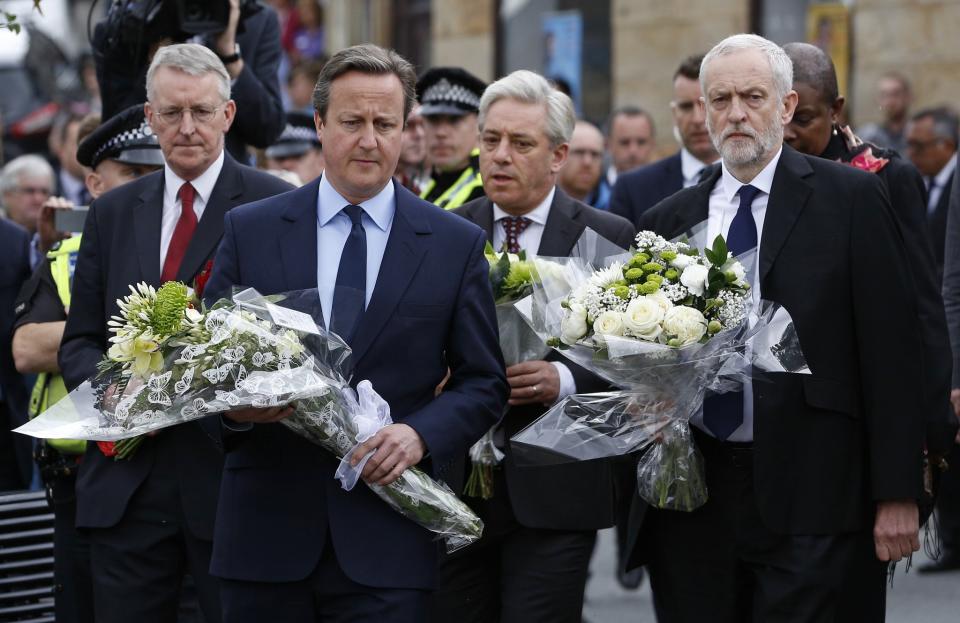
[
  {"x": 806, "y": 473},
  {"x": 150, "y": 516},
  {"x": 25, "y": 185},
  {"x": 531, "y": 563}
]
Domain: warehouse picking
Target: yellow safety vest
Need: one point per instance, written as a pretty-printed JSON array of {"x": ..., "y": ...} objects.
[
  {"x": 50, "y": 388},
  {"x": 460, "y": 191}
]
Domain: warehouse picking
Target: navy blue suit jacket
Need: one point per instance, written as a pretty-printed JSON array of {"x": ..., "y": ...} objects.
[
  {"x": 121, "y": 247},
  {"x": 639, "y": 190},
  {"x": 14, "y": 270},
  {"x": 431, "y": 309}
]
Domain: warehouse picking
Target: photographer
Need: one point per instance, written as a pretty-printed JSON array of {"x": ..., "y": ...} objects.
[{"x": 243, "y": 33}]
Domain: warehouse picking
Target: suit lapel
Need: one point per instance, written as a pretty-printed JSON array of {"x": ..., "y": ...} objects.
[
  {"x": 691, "y": 213},
  {"x": 788, "y": 196},
  {"x": 561, "y": 230},
  {"x": 674, "y": 176},
  {"x": 298, "y": 242},
  {"x": 226, "y": 193},
  {"x": 406, "y": 246},
  {"x": 147, "y": 220}
]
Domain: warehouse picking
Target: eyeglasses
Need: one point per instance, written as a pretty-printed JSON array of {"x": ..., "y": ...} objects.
[
  {"x": 34, "y": 190},
  {"x": 199, "y": 114},
  {"x": 586, "y": 153},
  {"x": 918, "y": 146}
]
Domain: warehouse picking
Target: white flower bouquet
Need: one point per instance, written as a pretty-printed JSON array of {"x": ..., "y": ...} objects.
[
  {"x": 666, "y": 323},
  {"x": 512, "y": 276},
  {"x": 170, "y": 363}
]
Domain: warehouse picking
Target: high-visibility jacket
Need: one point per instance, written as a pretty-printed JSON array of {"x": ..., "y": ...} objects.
[
  {"x": 49, "y": 388},
  {"x": 460, "y": 191}
]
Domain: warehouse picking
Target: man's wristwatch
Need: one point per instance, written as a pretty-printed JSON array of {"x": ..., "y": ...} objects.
[{"x": 233, "y": 58}]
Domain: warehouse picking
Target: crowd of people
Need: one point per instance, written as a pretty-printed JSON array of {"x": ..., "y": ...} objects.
[{"x": 247, "y": 158}]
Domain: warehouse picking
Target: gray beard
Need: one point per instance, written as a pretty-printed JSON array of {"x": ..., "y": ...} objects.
[{"x": 745, "y": 154}]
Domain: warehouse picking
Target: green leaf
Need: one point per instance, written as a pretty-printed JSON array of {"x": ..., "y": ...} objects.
[{"x": 488, "y": 249}]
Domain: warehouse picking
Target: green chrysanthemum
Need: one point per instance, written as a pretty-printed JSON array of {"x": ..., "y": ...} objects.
[
  {"x": 168, "y": 311},
  {"x": 521, "y": 274}
]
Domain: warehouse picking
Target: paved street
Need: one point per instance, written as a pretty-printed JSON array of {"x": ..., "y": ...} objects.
[{"x": 913, "y": 598}]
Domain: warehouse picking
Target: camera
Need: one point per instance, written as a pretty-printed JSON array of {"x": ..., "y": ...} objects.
[{"x": 132, "y": 27}]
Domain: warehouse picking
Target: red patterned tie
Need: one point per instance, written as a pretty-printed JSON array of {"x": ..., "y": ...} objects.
[
  {"x": 513, "y": 226},
  {"x": 181, "y": 235}
]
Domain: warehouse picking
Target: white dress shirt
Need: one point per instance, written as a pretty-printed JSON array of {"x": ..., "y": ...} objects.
[
  {"x": 724, "y": 203},
  {"x": 941, "y": 181},
  {"x": 529, "y": 240},
  {"x": 333, "y": 229},
  {"x": 203, "y": 185},
  {"x": 690, "y": 168}
]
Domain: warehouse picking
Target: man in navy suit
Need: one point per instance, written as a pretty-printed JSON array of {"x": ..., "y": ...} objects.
[
  {"x": 637, "y": 191},
  {"x": 150, "y": 517},
  {"x": 290, "y": 544}
]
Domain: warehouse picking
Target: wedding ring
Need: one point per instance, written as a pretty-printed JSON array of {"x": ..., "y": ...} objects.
[{"x": 536, "y": 390}]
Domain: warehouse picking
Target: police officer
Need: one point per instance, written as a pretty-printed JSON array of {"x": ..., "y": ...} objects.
[
  {"x": 298, "y": 149},
  {"x": 118, "y": 151},
  {"x": 450, "y": 99}
]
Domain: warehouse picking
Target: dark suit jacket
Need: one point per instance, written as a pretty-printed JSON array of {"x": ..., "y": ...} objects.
[
  {"x": 937, "y": 227},
  {"x": 575, "y": 496},
  {"x": 121, "y": 247},
  {"x": 830, "y": 444},
  {"x": 14, "y": 271},
  {"x": 431, "y": 309},
  {"x": 951, "y": 275},
  {"x": 639, "y": 190}
]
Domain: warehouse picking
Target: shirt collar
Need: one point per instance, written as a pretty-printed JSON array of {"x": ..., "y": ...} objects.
[
  {"x": 762, "y": 182},
  {"x": 690, "y": 166},
  {"x": 203, "y": 184},
  {"x": 538, "y": 215},
  {"x": 380, "y": 208},
  {"x": 943, "y": 177}
]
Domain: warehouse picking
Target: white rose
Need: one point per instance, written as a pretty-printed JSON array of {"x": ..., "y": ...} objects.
[
  {"x": 609, "y": 323},
  {"x": 643, "y": 317},
  {"x": 681, "y": 261},
  {"x": 574, "y": 324},
  {"x": 685, "y": 323},
  {"x": 661, "y": 299},
  {"x": 694, "y": 277}
]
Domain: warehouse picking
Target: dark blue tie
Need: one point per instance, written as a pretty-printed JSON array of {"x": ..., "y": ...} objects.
[
  {"x": 350, "y": 294},
  {"x": 723, "y": 413}
]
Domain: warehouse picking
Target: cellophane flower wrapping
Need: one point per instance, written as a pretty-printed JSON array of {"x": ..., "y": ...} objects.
[
  {"x": 600, "y": 314},
  {"x": 511, "y": 278},
  {"x": 248, "y": 351}
]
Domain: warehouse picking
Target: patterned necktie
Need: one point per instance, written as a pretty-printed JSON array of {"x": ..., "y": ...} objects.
[
  {"x": 181, "y": 234},
  {"x": 931, "y": 204},
  {"x": 350, "y": 293},
  {"x": 723, "y": 413},
  {"x": 513, "y": 226}
]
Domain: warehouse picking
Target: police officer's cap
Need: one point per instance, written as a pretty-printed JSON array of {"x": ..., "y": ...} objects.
[
  {"x": 449, "y": 91},
  {"x": 298, "y": 137},
  {"x": 126, "y": 137}
]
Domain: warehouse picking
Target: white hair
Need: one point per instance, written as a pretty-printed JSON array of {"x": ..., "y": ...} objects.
[
  {"x": 193, "y": 59},
  {"x": 29, "y": 165},
  {"x": 531, "y": 88},
  {"x": 780, "y": 64}
]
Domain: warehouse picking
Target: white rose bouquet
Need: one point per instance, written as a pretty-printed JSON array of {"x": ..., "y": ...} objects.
[
  {"x": 512, "y": 277},
  {"x": 171, "y": 363},
  {"x": 666, "y": 323}
]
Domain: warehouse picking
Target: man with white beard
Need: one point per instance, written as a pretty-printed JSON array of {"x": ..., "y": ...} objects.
[{"x": 804, "y": 471}]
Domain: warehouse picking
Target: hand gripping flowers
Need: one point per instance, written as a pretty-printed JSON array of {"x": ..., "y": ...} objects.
[
  {"x": 170, "y": 363},
  {"x": 666, "y": 324},
  {"x": 511, "y": 278}
]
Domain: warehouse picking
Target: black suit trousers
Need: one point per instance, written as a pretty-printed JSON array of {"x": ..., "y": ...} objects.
[
  {"x": 326, "y": 596},
  {"x": 514, "y": 574},
  {"x": 140, "y": 563},
  {"x": 720, "y": 563}
]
